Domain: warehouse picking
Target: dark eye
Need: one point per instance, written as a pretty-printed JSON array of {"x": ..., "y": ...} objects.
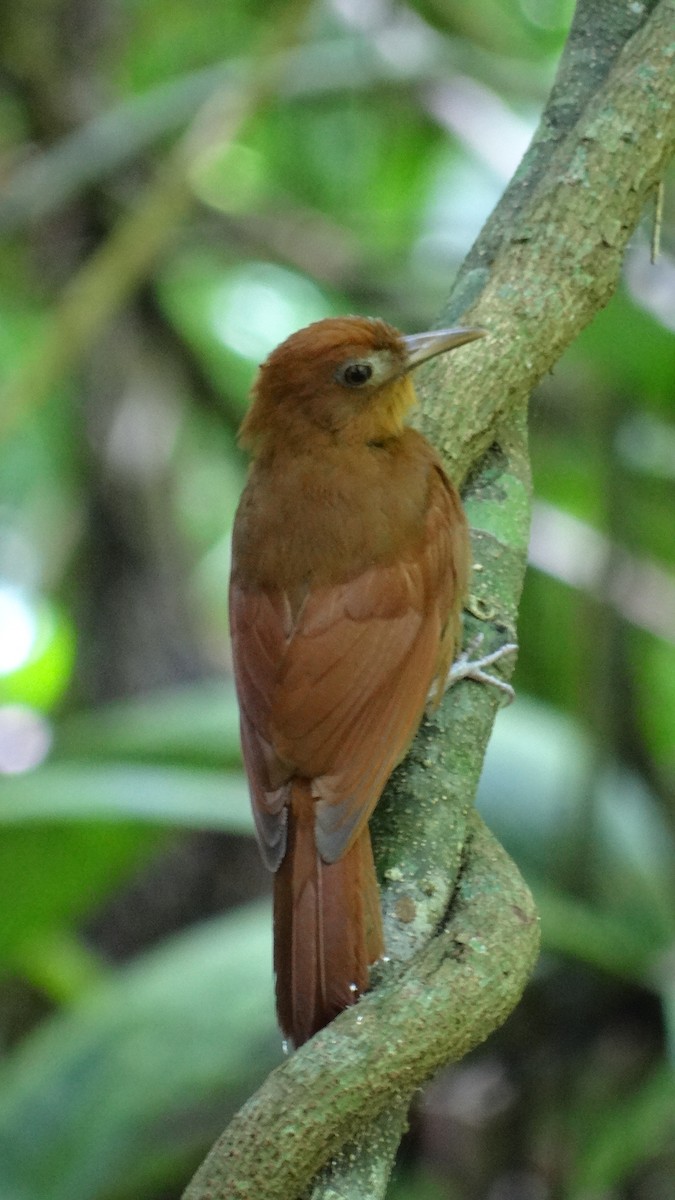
[{"x": 354, "y": 374}]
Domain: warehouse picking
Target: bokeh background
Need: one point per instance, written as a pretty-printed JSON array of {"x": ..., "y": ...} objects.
[{"x": 180, "y": 190}]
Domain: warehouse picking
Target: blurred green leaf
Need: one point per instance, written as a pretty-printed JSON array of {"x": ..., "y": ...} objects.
[
  {"x": 120, "y": 791},
  {"x": 198, "y": 724},
  {"x": 655, "y": 686},
  {"x": 617, "y": 1140},
  {"x": 535, "y": 786},
  {"x": 59, "y": 964},
  {"x": 162, "y": 43},
  {"x": 631, "y": 355},
  {"x": 51, "y": 875},
  {"x": 145, "y": 1070},
  {"x": 602, "y": 940}
]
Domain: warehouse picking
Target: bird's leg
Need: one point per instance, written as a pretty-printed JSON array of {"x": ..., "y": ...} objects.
[{"x": 466, "y": 667}]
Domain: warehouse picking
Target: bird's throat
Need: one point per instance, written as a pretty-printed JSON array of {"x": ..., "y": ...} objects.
[{"x": 384, "y": 417}]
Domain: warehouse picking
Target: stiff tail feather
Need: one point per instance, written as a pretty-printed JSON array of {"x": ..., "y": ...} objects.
[{"x": 327, "y": 925}]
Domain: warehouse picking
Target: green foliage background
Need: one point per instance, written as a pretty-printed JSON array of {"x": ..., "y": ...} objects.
[{"x": 156, "y": 243}]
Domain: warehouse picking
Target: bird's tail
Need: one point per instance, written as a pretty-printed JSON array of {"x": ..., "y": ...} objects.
[{"x": 327, "y": 925}]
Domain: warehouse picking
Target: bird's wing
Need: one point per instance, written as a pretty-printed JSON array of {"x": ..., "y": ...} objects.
[
  {"x": 261, "y": 628},
  {"x": 336, "y": 695}
]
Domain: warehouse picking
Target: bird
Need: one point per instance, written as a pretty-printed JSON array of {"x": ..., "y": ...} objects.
[{"x": 350, "y": 567}]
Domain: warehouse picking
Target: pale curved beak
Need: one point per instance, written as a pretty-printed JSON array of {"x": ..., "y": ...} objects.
[{"x": 421, "y": 346}]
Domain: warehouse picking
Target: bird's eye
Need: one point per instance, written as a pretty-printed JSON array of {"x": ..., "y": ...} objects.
[{"x": 354, "y": 374}]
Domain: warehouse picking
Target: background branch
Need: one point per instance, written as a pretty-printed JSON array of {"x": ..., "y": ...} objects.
[
  {"x": 548, "y": 259},
  {"x": 122, "y": 263}
]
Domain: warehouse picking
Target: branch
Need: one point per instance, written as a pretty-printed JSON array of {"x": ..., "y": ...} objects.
[
  {"x": 550, "y": 255},
  {"x": 394, "y": 1034},
  {"x": 547, "y": 261},
  {"x": 109, "y": 141},
  {"x": 114, "y": 271}
]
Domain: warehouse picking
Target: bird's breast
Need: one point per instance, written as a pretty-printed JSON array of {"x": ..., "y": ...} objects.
[{"x": 314, "y": 520}]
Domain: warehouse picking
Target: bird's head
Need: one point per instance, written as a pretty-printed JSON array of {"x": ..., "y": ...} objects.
[{"x": 346, "y": 376}]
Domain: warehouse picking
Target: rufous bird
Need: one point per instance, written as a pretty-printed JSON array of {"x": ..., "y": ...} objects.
[{"x": 350, "y": 565}]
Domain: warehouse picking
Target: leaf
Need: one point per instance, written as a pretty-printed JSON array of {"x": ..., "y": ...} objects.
[
  {"x": 143, "y": 1071},
  {"x": 73, "y": 830},
  {"x": 118, "y": 791},
  {"x": 51, "y": 876},
  {"x": 191, "y": 724},
  {"x": 617, "y": 1140},
  {"x": 579, "y": 930},
  {"x": 538, "y": 777}
]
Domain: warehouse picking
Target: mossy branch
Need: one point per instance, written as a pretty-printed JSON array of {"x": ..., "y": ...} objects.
[
  {"x": 546, "y": 262},
  {"x": 276, "y": 1143}
]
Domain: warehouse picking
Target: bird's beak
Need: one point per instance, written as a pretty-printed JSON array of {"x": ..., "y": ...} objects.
[{"x": 421, "y": 346}]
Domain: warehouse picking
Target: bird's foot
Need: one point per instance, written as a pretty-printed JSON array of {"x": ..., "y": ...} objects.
[{"x": 466, "y": 667}]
